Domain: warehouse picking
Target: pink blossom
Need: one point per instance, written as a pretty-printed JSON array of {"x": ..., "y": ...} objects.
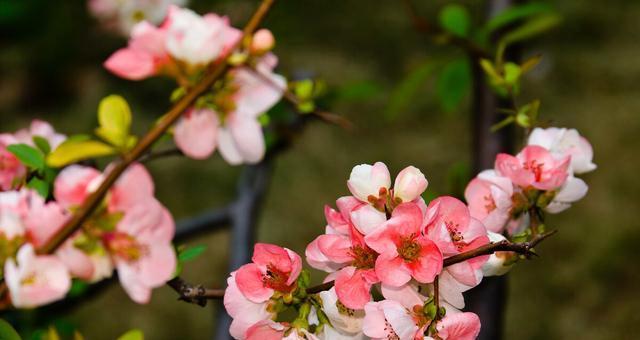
[
  {"x": 197, "y": 40},
  {"x": 345, "y": 322},
  {"x": 409, "y": 185},
  {"x": 91, "y": 267},
  {"x": 404, "y": 251},
  {"x": 574, "y": 189},
  {"x": 239, "y": 135},
  {"x": 459, "y": 326},
  {"x": 35, "y": 280},
  {"x": 145, "y": 55},
  {"x": 489, "y": 199},
  {"x": 343, "y": 250},
  {"x": 183, "y": 44},
  {"x": 11, "y": 170},
  {"x": 141, "y": 249},
  {"x": 245, "y": 313},
  {"x": 121, "y": 16},
  {"x": 534, "y": 167},
  {"x": 453, "y": 229},
  {"x": 370, "y": 183},
  {"x": 389, "y": 319},
  {"x": 139, "y": 246},
  {"x": 563, "y": 142},
  {"x": 72, "y": 185},
  {"x": 42, "y": 219},
  {"x": 274, "y": 269},
  {"x": 39, "y": 128}
]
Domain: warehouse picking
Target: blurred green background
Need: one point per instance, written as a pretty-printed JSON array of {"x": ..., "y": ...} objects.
[{"x": 584, "y": 286}]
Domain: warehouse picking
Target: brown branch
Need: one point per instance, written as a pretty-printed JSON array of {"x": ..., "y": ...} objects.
[
  {"x": 525, "y": 248},
  {"x": 215, "y": 71},
  {"x": 433, "y": 31},
  {"x": 197, "y": 295}
]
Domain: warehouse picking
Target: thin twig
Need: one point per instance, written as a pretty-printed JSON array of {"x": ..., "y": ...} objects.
[
  {"x": 433, "y": 31},
  {"x": 327, "y": 116},
  {"x": 525, "y": 248},
  {"x": 197, "y": 295},
  {"x": 153, "y": 155}
]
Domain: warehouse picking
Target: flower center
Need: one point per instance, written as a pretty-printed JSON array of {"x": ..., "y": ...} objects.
[
  {"x": 455, "y": 234},
  {"x": 124, "y": 246},
  {"x": 276, "y": 279},
  {"x": 535, "y": 168},
  {"x": 363, "y": 257},
  {"x": 490, "y": 204},
  {"x": 380, "y": 201},
  {"x": 409, "y": 249}
]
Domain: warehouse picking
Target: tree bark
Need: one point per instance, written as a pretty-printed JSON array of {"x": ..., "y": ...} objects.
[{"x": 488, "y": 300}]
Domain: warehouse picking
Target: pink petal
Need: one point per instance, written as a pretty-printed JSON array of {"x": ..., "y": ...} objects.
[
  {"x": 131, "y": 64},
  {"x": 248, "y": 137},
  {"x": 196, "y": 133},
  {"x": 459, "y": 326},
  {"x": 392, "y": 271},
  {"x": 72, "y": 184},
  {"x": 352, "y": 289},
  {"x": 249, "y": 281}
]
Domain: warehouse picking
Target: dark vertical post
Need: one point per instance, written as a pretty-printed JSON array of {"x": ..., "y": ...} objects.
[
  {"x": 488, "y": 300},
  {"x": 252, "y": 187}
]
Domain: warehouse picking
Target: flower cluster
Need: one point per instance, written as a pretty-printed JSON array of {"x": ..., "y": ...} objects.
[
  {"x": 183, "y": 47},
  {"x": 387, "y": 237},
  {"x": 541, "y": 176},
  {"x": 130, "y": 231},
  {"x": 120, "y": 16},
  {"x": 380, "y": 236}
]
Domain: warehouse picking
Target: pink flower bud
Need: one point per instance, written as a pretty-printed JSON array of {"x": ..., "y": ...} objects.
[
  {"x": 410, "y": 184},
  {"x": 263, "y": 41},
  {"x": 368, "y": 182}
]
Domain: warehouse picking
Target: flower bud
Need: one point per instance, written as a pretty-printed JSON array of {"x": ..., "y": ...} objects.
[
  {"x": 498, "y": 263},
  {"x": 410, "y": 184},
  {"x": 368, "y": 182},
  {"x": 262, "y": 42}
]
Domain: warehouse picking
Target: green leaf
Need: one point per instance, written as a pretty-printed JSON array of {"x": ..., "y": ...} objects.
[
  {"x": 114, "y": 117},
  {"x": 407, "y": 89},
  {"x": 303, "y": 89},
  {"x": 72, "y": 151},
  {"x": 454, "y": 18},
  {"x": 453, "y": 84},
  {"x": 531, "y": 28},
  {"x": 42, "y": 144},
  {"x": 134, "y": 334},
  {"x": 189, "y": 254},
  {"x": 516, "y": 13},
  {"x": 7, "y": 332},
  {"x": 40, "y": 186},
  {"x": 28, "y": 155}
]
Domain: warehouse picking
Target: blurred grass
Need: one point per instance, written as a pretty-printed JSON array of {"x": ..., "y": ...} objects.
[{"x": 582, "y": 287}]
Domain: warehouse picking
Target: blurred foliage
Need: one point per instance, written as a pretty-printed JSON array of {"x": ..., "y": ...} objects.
[{"x": 584, "y": 284}]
